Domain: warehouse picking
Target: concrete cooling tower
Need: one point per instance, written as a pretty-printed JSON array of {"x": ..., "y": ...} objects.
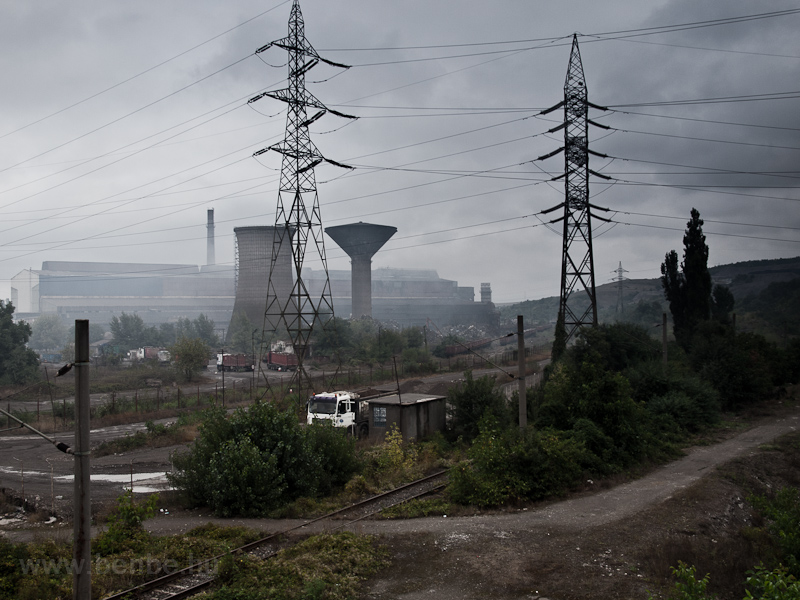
[
  {"x": 253, "y": 257},
  {"x": 361, "y": 241}
]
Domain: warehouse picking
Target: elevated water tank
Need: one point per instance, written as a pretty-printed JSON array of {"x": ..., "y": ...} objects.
[{"x": 361, "y": 241}]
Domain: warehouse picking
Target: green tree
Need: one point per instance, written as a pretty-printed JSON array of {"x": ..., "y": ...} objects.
[
  {"x": 240, "y": 336},
  {"x": 204, "y": 329},
  {"x": 18, "y": 364},
  {"x": 644, "y": 313},
  {"x": 190, "y": 356},
  {"x": 48, "y": 332},
  {"x": 130, "y": 331},
  {"x": 473, "y": 400},
  {"x": 166, "y": 334},
  {"x": 688, "y": 290},
  {"x": 560, "y": 340},
  {"x": 722, "y": 302},
  {"x": 335, "y": 339}
]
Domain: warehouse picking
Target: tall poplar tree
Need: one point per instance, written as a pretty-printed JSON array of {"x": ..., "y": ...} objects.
[{"x": 688, "y": 290}]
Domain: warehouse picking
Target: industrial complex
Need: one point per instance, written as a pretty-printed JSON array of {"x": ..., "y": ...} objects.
[{"x": 162, "y": 293}]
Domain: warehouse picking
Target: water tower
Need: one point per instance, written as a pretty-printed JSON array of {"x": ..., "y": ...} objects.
[{"x": 361, "y": 241}]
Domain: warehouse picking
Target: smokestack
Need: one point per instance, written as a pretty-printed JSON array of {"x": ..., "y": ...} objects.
[
  {"x": 361, "y": 241},
  {"x": 210, "y": 260},
  {"x": 486, "y": 293}
]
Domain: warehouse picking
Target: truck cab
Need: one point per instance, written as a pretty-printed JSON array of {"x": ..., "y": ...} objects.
[{"x": 340, "y": 409}]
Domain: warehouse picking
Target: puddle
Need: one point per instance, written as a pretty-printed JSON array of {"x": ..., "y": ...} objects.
[
  {"x": 126, "y": 478},
  {"x": 148, "y": 483}
]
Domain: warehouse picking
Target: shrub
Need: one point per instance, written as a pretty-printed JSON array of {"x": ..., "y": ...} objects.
[
  {"x": 243, "y": 480},
  {"x": 741, "y": 366},
  {"x": 473, "y": 400},
  {"x": 259, "y": 460},
  {"x": 688, "y": 587},
  {"x": 390, "y": 463},
  {"x": 125, "y": 530},
  {"x": 783, "y": 513},
  {"x": 772, "y": 585},
  {"x": 511, "y": 465},
  {"x": 337, "y": 450}
]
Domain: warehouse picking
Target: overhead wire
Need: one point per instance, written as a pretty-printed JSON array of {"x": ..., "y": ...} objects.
[
  {"x": 477, "y": 172},
  {"x": 144, "y": 72}
]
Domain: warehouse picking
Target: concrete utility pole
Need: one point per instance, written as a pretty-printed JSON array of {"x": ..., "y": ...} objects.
[
  {"x": 523, "y": 402},
  {"x": 82, "y": 508}
]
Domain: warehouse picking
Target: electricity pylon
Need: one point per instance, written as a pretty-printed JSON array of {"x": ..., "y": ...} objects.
[
  {"x": 620, "y": 279},
  {"x": 577, "y": 259},
  {"x": 298, "y": 222}
]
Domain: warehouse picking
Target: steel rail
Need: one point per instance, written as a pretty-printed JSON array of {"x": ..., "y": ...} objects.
[{"x": 154, "y": 584}]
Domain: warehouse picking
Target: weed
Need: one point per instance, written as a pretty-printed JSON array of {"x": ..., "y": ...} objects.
[
  {"x": 125, "y": 530},
  {"x": 417, "y": 508}
]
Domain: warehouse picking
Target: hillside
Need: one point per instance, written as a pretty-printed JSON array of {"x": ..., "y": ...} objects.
[{"x": 764, "y": 295}]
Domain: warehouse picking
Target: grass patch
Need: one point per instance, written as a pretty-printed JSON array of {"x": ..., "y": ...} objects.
[
  {"x": 324, "y": 566},
  {"x": 30, "y": 571},
  {"x": 156, "y": 435},
  {"x": 414, "y": 509}
]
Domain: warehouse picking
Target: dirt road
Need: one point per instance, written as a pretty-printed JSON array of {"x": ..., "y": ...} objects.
[{"x": 590, "y": 546}]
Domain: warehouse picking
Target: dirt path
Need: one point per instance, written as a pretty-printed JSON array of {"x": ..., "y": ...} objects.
[{"x": 583, "y": 547}]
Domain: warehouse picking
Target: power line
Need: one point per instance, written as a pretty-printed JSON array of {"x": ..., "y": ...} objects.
[
  {"x": 137, "y": 75},
  {"x": 642, "y": 30}
]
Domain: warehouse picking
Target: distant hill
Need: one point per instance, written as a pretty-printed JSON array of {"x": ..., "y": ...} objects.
[{"x": 767, "y": 293}]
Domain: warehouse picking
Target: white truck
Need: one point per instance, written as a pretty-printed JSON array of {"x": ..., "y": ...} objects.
[{"x": 341, "y": 409}]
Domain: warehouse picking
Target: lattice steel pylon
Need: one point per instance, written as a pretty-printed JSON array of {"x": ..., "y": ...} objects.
[
  {"x": 577, "y": 257},
  {"x": 298, "y": 222},
  {"x": 620, "y": 279}
]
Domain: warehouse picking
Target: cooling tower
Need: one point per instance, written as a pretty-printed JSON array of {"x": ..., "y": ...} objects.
[
  {"x": 253, "y": 256},
  {"x": 361, "y": 241}
]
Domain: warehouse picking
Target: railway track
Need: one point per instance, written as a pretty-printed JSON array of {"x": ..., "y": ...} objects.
[{"x": 198, "y": 577}]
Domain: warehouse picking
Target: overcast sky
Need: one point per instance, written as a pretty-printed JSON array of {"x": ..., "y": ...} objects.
[{"x": 123, "y": 122}]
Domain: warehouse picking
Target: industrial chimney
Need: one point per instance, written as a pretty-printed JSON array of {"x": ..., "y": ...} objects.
[
  {"x": 210, "y": 260},
  {"x": 361, "y": 241},
  {"x": 486, "y": 293}
]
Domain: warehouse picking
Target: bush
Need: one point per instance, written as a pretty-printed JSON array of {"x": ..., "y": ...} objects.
[
  {"x": 688, "y": 587},
  {"x": 338, "y": 452},
  {"x": 509, "y": 465},
  {"x": 243, "y": 480},
  {"x": 588, "y": 392},
  {"x": 772, "y": 585},
  {"x": 650, "y": 383},
  {"x": 742, "y": 367},
  {"x": 473, "y": 400},
  {"x": 259, "y": 460},
  {"x": 125, "y": 530},
  {"x": 783, "y": 513}
]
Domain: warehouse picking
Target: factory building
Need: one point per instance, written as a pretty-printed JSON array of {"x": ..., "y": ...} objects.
[
  {"x": 158, "y": 293},
  {"x": 162, "y": 293}
]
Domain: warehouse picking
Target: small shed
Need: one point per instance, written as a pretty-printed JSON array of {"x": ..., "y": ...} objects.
[{"x": 416, "y": 415}]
